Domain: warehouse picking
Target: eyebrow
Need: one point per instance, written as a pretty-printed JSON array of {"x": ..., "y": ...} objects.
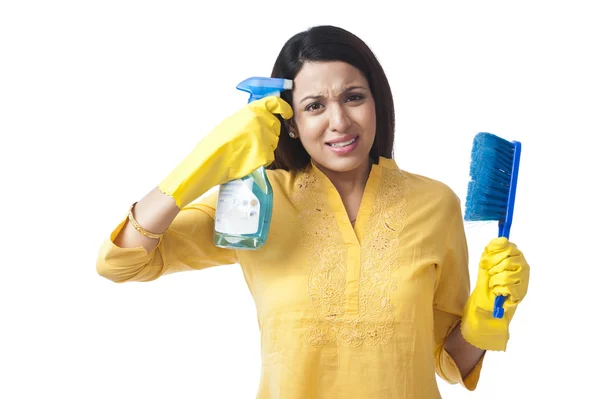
[{"x": 318, "y": 96}]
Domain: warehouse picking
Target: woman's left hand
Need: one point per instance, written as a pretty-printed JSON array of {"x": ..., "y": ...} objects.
[{"x": 503, "y": 270}]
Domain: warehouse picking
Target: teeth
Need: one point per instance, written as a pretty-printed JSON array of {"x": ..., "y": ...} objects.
[{"x": 343, "y": 144}]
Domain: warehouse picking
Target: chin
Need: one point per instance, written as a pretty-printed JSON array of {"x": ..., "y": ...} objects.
[{"x": 342, "y": 164}]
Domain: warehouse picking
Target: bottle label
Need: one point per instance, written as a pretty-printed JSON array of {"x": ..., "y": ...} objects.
[{"x": 238, "y": 209}]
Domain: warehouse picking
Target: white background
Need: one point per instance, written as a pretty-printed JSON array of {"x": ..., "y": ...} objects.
[{"x": 100, "y": 99}]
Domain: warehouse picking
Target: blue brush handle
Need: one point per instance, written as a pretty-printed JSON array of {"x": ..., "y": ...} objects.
[{"x": 504, "y": 226}]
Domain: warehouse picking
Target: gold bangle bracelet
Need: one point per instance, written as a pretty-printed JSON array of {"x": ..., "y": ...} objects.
[{"x": 139, "y": 228}]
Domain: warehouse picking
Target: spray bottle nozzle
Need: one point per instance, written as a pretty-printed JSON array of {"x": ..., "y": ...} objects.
[{"x": 259, "y": 87}]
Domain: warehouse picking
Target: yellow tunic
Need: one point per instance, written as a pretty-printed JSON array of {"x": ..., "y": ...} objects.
[{"x": 343, "y": 312}]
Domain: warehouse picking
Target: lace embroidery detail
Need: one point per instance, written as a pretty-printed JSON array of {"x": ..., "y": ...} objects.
[
  {"x": 327, "y": 254},
  {"x": 379, "y": 257}
]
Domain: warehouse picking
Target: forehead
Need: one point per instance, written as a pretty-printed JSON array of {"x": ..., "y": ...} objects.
[{"x": 326, "y": 77}]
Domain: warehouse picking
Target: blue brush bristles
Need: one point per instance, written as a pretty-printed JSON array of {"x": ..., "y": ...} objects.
[
  {"x": 491, "y": 191},
  {"x": 491, "y": 169}
]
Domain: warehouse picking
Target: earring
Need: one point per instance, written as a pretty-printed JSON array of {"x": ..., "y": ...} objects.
[{"x": 292, "y": 135}]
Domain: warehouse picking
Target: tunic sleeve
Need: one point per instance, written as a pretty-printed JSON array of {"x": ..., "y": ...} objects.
[
  {"x": 186, "y": 245},
  {"x": 451, "y": 294}
]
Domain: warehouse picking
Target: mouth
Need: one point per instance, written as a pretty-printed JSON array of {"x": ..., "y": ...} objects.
[
  {"x": 341, "y": 144},
  {"x": 344, "y": 145}
]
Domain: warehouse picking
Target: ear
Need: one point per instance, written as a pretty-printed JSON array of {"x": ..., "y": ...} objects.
[{"x": 290, "y": 126}]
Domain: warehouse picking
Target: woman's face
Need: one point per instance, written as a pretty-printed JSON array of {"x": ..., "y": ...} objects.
[{"x": 334, "y": 112}]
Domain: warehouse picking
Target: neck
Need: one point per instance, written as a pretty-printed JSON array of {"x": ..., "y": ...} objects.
[{"x": 349, "y": 183}]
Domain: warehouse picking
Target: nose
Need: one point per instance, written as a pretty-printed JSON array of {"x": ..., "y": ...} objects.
[{"x": 339, "y": 119}]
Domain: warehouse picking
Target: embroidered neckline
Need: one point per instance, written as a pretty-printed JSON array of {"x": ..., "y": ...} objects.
[{"x": 328, "y": 261}]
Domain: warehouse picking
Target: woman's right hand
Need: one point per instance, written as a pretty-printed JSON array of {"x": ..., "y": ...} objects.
[{"x": 236, "y": 147}]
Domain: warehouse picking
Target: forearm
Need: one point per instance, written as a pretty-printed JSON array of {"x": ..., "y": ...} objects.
[
  {"x": 464, "y": 354},
  {"x": 154, "y": 212}
]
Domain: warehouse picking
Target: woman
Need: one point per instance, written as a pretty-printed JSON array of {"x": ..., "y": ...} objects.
[{"x": 362, "y": 289}]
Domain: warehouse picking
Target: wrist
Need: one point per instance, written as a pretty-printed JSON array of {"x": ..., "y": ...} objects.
[{"x": 480, "y": 329}]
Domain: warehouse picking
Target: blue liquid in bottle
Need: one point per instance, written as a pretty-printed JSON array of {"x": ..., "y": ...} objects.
[
  {"x": 245, "y": 206},
  {"x": 244, "y": 209}
]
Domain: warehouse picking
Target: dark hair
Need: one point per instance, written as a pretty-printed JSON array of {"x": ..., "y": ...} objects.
[{"x": 330, "y": 43}]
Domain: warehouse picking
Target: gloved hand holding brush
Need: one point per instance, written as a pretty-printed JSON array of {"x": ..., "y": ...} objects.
[{"x": 503, "y": 270}]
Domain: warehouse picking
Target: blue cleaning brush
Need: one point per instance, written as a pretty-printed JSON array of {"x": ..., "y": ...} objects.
[{"x": 491, "y": 192}]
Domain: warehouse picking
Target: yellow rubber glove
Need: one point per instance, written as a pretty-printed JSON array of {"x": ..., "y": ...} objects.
[
  {"x": 502, "y": 271},
  {"x": 236, "y": 147}
]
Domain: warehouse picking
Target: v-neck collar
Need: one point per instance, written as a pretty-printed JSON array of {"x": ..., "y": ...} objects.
[{"x": 354, "y": 235}]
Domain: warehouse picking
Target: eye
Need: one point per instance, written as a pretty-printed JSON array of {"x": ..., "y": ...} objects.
[
  {"x": 355, "y": 97},
  {"x": 313, "y": 106}
]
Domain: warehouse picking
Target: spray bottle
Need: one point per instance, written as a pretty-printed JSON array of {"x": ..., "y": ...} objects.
[{"x": 245, "y": 205}]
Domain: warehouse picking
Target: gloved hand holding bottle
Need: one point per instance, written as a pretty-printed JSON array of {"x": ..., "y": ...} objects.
[
  {"x": 503, "y": 270},
  {"x": 239, "y": 145}
]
